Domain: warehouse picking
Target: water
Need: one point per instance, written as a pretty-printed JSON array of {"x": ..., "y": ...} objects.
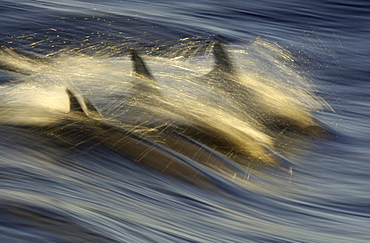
[{"x": 294, "y": 55}]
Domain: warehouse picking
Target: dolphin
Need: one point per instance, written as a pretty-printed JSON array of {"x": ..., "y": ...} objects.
[
  {"x": 172, "y": 154},
  {"x": 217, "y": 135},
  {"x": 225, "y": 77}
]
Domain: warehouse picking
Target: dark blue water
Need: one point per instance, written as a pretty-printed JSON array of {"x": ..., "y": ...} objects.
[{"x": 297, "y": 54}]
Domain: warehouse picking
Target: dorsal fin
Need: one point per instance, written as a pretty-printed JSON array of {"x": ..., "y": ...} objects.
[
  {"x": 74, "y": 103},
  {"x": 82, "y": 106},
  {"x": 222, "y": 60},
  {"x": 140, "y": 68}
]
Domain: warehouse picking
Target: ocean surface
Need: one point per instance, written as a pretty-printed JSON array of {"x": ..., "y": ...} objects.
[{"x": 305, "y": 60}]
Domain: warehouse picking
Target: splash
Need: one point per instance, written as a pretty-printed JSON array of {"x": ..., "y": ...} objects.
[{"x": 243, "y": 114}]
